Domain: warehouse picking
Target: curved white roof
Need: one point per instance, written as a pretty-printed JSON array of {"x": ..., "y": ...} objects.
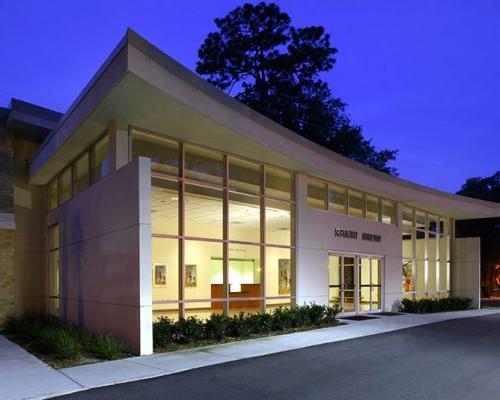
[{"x": 140, "y": 86}]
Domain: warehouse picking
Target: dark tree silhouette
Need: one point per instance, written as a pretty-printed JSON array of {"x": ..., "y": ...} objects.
[
  {"x": 487, "y": 228},
  {"x": 482, "y": 188},
  {"x": 275, "y": 68}
]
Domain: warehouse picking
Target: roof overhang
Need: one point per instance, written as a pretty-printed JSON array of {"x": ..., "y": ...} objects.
[
  {"x": 141, "y": 86},
  {"x": 29, "y": 121}
]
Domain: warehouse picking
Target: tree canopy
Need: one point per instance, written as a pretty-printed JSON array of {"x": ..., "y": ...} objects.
[
  {"x": 482, "y": 188},
  {"x": 275, "y": 68}
]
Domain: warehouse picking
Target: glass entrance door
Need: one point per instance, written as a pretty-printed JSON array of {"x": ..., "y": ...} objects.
[
  {"x": 355, "y": 282},
  {"x": 370, "y": 284}
]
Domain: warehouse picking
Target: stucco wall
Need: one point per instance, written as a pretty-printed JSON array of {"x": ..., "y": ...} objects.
[
  {"x": 315, "y": 238},
  {"x": 105, "y": 256},
  {"x": 465, "y": 277}
]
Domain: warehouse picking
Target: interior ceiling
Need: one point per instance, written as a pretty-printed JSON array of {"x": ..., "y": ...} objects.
[{"x": 205, "y": 210}]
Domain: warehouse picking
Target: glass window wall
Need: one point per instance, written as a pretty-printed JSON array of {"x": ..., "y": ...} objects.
[
  {"x": 230, "y": 241},
  {"x": 76, "y": 177},
  {"x": 425, "y": 254},
  {"x": 342, "y": 200}
]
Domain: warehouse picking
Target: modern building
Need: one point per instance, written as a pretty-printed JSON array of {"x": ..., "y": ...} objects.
[{"x": 157, "y": 194}]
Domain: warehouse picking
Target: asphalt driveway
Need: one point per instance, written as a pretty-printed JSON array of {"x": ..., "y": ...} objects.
[{"x": 458, "y": 359}]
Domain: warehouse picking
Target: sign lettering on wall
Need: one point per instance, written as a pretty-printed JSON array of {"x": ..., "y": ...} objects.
[{"x": 348, "y": 234}]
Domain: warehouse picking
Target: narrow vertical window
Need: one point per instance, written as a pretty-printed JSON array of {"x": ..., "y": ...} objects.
[
  {"x": 317, "y": 194},
  {"x": 389, "y": 212},
  {"x": 65, "y": 185},
  {"x": 53, "y": 270},
  {"x": 337, "y": 198},
  {"x": 52, "y": 193},
  {"x": 81, "y": 173}
]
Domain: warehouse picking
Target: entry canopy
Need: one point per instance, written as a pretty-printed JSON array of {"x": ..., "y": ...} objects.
[{"x": 140, "y": 86}]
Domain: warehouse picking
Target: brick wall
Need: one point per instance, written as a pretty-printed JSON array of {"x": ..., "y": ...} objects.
[
  {"x": 6, "y": 272},
  {"x": 6, "y": 169}
]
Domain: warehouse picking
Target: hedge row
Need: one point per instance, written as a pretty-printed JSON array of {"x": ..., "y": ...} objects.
[
  {"x": 423, "y": 306},
  {"x": 219, "y": 327}
]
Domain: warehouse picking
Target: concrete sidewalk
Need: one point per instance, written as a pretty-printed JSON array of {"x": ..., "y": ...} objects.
[
  {"x": 136, "y": 368},
  {"x": 23, "y": 376}
]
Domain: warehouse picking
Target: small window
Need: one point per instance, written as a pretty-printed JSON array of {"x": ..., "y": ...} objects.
[
  {"x": 244, "y": 176},
  {"x": 164, "y": 154},
  {"x": 389, "y": 212},
  {"x": 444, "y": 226},
  {"x": 432, "y": 222},
  {"x": 204, "y": 165},
  {"x": 407, "y": 216},
  {"x": 52, "y": 192},
  {"x": 316, "y": 194},
  {"x": 100, "y": 159},
  {"x": 337, "y": 198},
  {"x": 65, "y": 185},
  {"x": 81, "y": 173},
  {"x": 372, "y": 208},
  {"x": 279, "y": 184},
  {"x": 355, "y": 203},
  {"x": 420, "y": 220}
]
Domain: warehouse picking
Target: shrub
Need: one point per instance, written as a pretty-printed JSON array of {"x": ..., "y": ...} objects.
[
  {"x": 331, "y": 313},
  {"x": 282, "y": 318},
  {"x": 216, "y": 327},
  {"x": 163, "y": 330},
  {"x": 188, "y": 330},
  {"x": 260, "y": 323},
  {"x": 60, "y": 340},
  {"x": 106, "y": 347},
  {"x": 422, "y": 306}
]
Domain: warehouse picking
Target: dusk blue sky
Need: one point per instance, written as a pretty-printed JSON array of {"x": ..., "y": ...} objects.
[{"x": 420, "y": 76}]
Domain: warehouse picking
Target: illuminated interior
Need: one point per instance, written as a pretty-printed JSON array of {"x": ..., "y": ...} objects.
[
  {"x": 426, "y": 254},
  {"x": 222, "y": 231}
]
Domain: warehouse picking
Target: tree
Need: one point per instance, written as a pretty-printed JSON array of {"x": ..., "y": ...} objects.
[
  {"x": 275, "y": 69},
  {"x": 487, "y": 228},
  {"x": 482, "y": 188}
]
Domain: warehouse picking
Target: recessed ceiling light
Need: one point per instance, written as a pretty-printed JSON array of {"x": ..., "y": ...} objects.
[{"x": 174, "y": 198}]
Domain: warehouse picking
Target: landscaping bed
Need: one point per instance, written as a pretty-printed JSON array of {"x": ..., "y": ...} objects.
[
  {"x": 193, "y": 332},
  {"x": 61, "y": 345},
  {"x": 424, "y": 306},
  {"x": 58, "y": 344}
]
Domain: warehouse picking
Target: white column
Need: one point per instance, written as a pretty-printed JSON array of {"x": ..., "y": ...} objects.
[
  {"x": 118, "y": 146},
  {"x": 145, "y": 273}
]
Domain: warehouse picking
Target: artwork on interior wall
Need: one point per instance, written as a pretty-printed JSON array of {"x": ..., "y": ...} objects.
[
  {"x": 284, "y": 275},
  {"x": 190, "y": 277},
  {"x": 160, "y": 275}
]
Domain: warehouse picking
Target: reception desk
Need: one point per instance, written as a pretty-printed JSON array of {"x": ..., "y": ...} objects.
[{"x": 246, "y": 290}]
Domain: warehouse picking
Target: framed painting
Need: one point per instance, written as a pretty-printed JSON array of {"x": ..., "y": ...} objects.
[
  {"x": 190, "y": 277},
  {"x": 159, "y": 275},
  {"x": 284, "y": 276}
]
